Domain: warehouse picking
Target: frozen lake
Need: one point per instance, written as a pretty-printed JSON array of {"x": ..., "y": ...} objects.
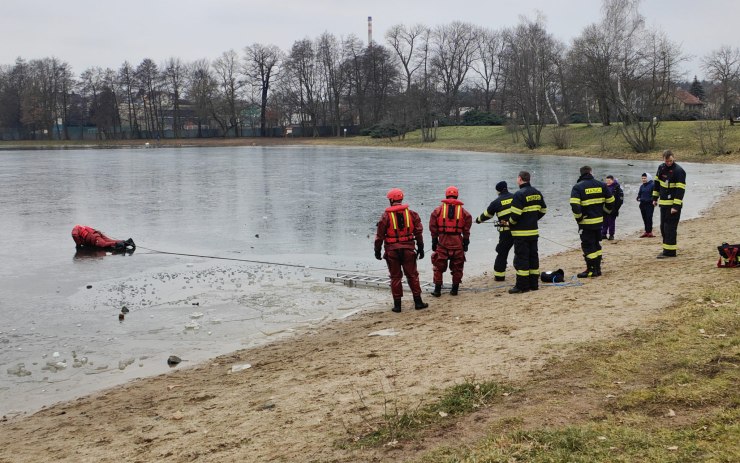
[{"x": 304, "y": 206}]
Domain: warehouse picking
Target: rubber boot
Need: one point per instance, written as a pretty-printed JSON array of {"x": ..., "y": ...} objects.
[
  {"x": 419, "y": 304},
  {"x": 597, "y": 267},
  {"x": 437, "y": 290},
  {"x": 588, "y": 273},
  {"x": 498, "y": 278},
  {"x": 396, "y": 305},
  {"x": 455, "y": 287},
  {"x": 534, "y": 282}
]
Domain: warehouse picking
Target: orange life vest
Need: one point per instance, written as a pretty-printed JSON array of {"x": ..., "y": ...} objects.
[
  {"x": 400, "y": 225},
  {"x": 450, "y": 220}
]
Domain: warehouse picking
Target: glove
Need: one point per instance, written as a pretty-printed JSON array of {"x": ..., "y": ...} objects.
[
  {"x": 477, "y": 220},
  {"x": 420, "y": 251},
  {"x": 377, "y": 255},
  {"x": 435, "y": 242},
  {"x": 465, "y": 245}
]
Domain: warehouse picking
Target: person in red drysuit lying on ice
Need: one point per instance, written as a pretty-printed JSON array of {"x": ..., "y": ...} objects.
[{"x": 88, "y": 237}]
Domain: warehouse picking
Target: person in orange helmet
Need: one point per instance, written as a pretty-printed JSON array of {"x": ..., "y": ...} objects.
[
  {"x": 399, "y": 232},
  {"x": 450, "y": 227}
]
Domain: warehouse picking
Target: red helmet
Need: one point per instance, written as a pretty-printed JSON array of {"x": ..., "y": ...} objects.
[
  {"x": 395, "y": 194},
  {"x": 451, "y": 191}
]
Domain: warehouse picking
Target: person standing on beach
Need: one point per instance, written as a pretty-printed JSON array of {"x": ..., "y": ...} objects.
[
  {"x": 501, "y": 208},
  {"x": 449, "y": 225},
  {"x": 609, "y": 227},
  {"x": 590, "y": 200},
  {"x": 527, "y": 208},
  {"x": 668, "y": 191},
  {"x": 645, "y": 198},
  {"x": 399, "y": 231}
]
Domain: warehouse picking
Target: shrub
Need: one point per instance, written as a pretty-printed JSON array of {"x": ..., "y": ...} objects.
[{"x": 477, "y": 118}]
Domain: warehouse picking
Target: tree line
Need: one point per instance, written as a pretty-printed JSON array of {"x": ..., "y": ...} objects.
[{"x": 618, "y": 70}]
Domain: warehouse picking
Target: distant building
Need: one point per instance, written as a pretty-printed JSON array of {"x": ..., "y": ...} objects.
[{"x": 685, "y": 101}]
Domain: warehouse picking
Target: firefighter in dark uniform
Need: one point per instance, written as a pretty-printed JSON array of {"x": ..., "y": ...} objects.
[
  {"x": 449, "y": 225},
  {"x": 590, "y": 199},
  {"x": 399, "y": 231},
  {"x": 668, "y": 190},
  {"x": 527, "y": 208},
  {"x": 500, "y": 208}
]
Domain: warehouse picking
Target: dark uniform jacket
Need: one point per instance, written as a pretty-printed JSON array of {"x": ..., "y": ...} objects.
[
  {"x": 670, "y": 186},
  {"x": 527, "y": 207},
  {"x": 499, "y": 207},
  {"x": 590, "y": 199}
]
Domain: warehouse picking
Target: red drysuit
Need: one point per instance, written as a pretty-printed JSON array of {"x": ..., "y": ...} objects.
[
  {"x": 85, "y": 236},
  {"x": 450, "y": 227}
]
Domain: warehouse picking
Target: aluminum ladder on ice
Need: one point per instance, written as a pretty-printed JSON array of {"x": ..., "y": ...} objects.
[{"x": 369, "y": 281}]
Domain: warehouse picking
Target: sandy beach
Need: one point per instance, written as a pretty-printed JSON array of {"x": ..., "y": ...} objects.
[{"x": 304, "y": 396}]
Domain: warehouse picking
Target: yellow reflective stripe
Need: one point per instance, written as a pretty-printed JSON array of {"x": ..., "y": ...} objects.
[
  {"x": 655, "y": 194},
  {"x": 670, "y": 247},
  {"x": 459, "y": 212},
  {"x": 610, "y": 200},
  {"x": 591, "y": 221},
  {"x": 444, "y": 210},
  {"x": 591, "y": 202},
  {"x": 575, "y": 200},
  {"x": 487, "y": 214},
  {"x": 393, "y": 220},
  {"x": 522, "y": 273},
  {"x": 577, "y": 216},
  {"x": 532, "y": 208},
  {"x": 677, "y": 201},
  {"x": 663, "y": 184},
  {"x": 677, "y": 185},
  {"x": 543, "y": 210},
  {"x": 594, "y": 255},
  {"x": 516, "y": 210},
  {"x": 665, "y": 202},
  {"x": 524, "y": 233},
  {"x": 499, "y": 274},
  {"x": 408, "y": 218},
  {"x": 504, "y": 212},
  {"x": 535, "y": 271}
]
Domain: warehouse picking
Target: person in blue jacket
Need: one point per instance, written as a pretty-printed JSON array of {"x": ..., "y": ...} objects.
[{"x": 645, "y": 199}]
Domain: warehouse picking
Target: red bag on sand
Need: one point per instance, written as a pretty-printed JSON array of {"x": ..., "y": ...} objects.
[{"x": 729, "y": 255}]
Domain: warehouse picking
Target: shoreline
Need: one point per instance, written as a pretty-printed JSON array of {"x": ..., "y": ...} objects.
[{"x": 302, "y": 393}]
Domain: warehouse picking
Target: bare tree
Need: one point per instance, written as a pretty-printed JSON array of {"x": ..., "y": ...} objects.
[
  {"x": 489, "y": 49},
  {"x": 454, "y": 51},
  {"x": 129, "y": 86},
  {"x": 723, "y": 66},
  {"x": 405, "y": 43},
  {"x": 329, "y": 57},
  {"x": 261, "y": 65},
  {"x": 147, "y": 75},
  {"x": 302, "y": 79},
  {"x": 230, "y": 84},
  {"x": 202, "y": 87},
  {"x": 529, "y": 66},
  {"x": 175, "y": 76}
]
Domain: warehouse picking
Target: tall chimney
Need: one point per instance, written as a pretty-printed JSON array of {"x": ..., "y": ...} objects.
[{"x": 369, "y": 31}]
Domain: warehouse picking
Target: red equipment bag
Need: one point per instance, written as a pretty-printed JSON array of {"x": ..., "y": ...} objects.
[{"x": 729, "y": 255}]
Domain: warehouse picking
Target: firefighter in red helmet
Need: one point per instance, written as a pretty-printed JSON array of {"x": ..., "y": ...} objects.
[
  {"x": 400, "y": 231},
  {"x": 450, "y": 227}
]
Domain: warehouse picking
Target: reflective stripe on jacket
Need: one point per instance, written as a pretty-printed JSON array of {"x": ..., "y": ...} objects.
[
  {"x": 590, "y": 199},
  {"x": 669, "y": 186},
  {"x": 527, "y": 208}
]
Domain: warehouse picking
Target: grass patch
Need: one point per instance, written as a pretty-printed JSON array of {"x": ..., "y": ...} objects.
[
  {"x": 403, "y": 422},
  {"x": 582, "y": 140},
  {"x": 670, "y": 393}
]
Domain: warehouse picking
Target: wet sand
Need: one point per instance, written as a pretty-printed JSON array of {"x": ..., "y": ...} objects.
[{"x": 305, "y": 393}]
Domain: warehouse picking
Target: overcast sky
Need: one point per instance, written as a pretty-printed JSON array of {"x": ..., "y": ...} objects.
[{"x": 87, "y": 33}]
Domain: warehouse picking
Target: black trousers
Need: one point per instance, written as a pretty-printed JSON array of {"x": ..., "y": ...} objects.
[
  {"x": 646, "y": 209},
  {"x": 526, "y": 263},
  {"x": 505, "y": 243},
  {"x": 669, "y": 230},
  {"x": 591, "y": 245}
]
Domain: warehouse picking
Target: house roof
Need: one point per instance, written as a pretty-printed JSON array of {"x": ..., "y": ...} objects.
[{"x": 687, "y": 98}]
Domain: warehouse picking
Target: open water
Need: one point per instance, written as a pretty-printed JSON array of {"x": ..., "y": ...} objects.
[{"x": 314, "y": 208}]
